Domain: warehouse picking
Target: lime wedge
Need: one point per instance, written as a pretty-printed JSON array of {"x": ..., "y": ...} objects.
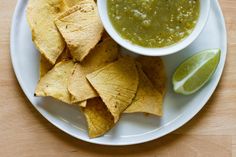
[{"x": 194, "y": 72}]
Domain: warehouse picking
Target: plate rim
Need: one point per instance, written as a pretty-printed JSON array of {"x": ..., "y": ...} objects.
[{"x": 171, "y": 128}]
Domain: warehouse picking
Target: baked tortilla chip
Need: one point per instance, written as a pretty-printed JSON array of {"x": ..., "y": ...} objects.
[
  {"x": 45, "y": 65},
  {"x": 116, "y": 84},
  {"x": 104, "y": 53},
  {"x": 78, "y": 85},
  {"x": 41, "y": 15},
  {"x": 54, "y": 83},
  {"x": 154, "y": 68},
  {"x": 147, "y": 99},
  {"x": 81, "y": 28},
  {"x": 98, "y": 117},
  {"x": 71, "y": 3}
]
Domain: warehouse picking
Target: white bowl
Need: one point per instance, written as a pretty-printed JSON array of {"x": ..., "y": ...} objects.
[{"x": 204, "y": 13}]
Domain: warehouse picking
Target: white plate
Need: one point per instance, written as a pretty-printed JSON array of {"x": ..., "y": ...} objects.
[{"x": 132, "y": 128}]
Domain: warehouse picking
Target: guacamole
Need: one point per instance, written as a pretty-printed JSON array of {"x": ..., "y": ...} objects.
[{"x": 153, "y": 23}]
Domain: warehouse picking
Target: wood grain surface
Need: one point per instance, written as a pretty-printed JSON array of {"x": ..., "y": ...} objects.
[{"x": 25, "y": 133}]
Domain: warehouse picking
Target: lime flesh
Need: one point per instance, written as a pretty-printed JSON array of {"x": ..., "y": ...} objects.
[{"x": 196, "y": 71}]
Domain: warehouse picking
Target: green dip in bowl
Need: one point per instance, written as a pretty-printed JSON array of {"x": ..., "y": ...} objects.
[{"x": 153, "y": 23}]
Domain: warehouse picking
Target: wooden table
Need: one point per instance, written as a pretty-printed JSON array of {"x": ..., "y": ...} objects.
[{"x": 25, "y": 133}]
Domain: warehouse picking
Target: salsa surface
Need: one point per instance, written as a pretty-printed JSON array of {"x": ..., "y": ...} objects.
[{"x": 153, "y": 23}]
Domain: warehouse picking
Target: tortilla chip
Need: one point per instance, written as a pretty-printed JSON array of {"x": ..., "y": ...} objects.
[
  {"x": 45, "y": 65},
  {"x": 104, "y": 53},
  {"x": 116, "y": 84},
  {"x": 54, "y": 83},
  {"x": 81, "y": 28},
  {"x": 79, "y": 87},
  {"x": 98, "y": 117},
  {"x": 147, "y": 99},
  {"x": 71, "y": 3},
  {"x": 154, "y": 68},
  {"x": 41, "y": 15}
]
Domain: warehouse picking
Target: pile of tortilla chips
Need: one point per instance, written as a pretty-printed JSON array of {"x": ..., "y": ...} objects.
[{"x": 81, "y": 65}]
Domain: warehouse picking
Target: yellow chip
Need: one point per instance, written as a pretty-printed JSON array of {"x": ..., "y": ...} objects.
[
  {"x": 78, "y": 85},
  {"x": 54, "y": 83},
  {"x": 71, "y": 3},
  {"x": 98, "y": 117},
  {"x": 154, "y": 68},
  {"x": 104, "y": 53},
  {"x": 81, "y": 28},
  {"x": 147, "y": 99},
  {"x": 41, "y": 15},
  {"x": 45, "y": 65},
  {"x": 116, "y": 84}
]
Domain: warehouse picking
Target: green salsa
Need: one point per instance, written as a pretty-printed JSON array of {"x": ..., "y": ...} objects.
[{"x": 153, "y": 23}]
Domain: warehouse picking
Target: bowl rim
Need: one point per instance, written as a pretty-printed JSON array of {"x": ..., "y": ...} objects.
[{"x": 205, "y": 6}]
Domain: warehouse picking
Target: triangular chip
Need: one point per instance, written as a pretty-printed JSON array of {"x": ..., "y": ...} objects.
[
  {"x": 81, "y": 28},
  {"x": 54, "y": 83},
  {"x": 71, "y": 3},
  {"x": 45, "y": 65},
  {"x": 116, "y": 84},
  {"x": 98, "y": 117},
  {"x": 78, "y": 85},
  {"x": 41, "y": 15},
  {"x": 147, "y": 99},
  {"x": 104, "y": 53},
  {"x": 154, "y": 68}
]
